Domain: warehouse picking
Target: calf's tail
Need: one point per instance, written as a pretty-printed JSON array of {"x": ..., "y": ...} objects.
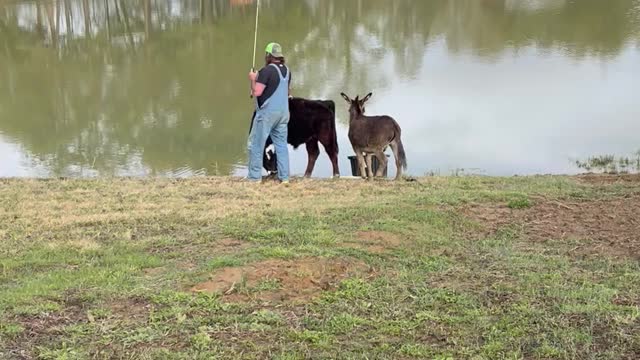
[{"x": 334, "y": 133}]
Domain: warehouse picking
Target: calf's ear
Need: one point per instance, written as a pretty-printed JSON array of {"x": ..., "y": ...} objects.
[
  {"x": 366, "y": 98},
  {"x": 344, "y": 96}
]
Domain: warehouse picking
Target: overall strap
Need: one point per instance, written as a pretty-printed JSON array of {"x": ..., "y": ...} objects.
[{"x": 279, "y": 72}]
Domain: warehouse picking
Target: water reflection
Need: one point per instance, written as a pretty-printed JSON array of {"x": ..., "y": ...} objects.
[
  {"x": 611, "y": 164},
  {"x": 114, "y": 87}
]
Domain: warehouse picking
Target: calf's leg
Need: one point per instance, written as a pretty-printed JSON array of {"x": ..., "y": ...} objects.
[
  {"x": 313, "y": 151},
  {"x": 331, "y": 147},
  {"x": 333, "y": 155}
]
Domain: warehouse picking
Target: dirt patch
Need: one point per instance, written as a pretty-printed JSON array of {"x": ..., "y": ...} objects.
[
  {"x": 130, "y": 308},
  {"x": 602, "y": 227},
  {"x": 50, "y": 323},
  {"x": 231, "y": 245},
  {"x": 40, "y": 328},
  {"x": 224, "y": 281},
  {"x": 608, "y": 179},
  {"x": 375, "y": 241},
  {"x": 282, "y": 281}
]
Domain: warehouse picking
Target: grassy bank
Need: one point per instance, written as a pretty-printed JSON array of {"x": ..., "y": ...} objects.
[{"x": 461, "y": 268}]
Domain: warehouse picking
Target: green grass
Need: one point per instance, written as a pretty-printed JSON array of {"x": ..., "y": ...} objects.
[
  {"x": 522, "y": 203},
  {"x": 103, "y": 269}
]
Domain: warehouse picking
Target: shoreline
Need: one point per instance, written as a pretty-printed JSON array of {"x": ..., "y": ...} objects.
[{"x": 300, "y": 178}]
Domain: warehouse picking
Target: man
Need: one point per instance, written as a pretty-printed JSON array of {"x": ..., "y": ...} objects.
[{"x": 270, "y": 87}]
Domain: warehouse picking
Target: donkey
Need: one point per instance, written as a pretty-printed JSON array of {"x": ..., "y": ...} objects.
[{"x": 370, "y": 135}]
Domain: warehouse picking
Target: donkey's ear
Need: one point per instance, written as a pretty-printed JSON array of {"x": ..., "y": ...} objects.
[
  {"x": 366, "y": 98},
  {"x": 344, "y": 96}
]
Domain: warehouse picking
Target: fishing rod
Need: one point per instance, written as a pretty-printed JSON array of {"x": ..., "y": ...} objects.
[{"x": 255, "y": 41}]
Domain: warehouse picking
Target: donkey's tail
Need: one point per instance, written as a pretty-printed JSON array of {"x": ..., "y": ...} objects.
[{"x": 402, "y": 154}]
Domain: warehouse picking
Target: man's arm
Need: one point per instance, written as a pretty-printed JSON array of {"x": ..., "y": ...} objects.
[
  {"x": 257, "y": 88},
  {"x": 258, "y": 82}
]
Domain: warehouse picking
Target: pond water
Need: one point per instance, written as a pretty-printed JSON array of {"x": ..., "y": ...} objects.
[{"x": 159, "y": 87}]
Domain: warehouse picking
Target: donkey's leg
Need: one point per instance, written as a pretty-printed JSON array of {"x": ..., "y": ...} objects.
[
  {"x": 313, "y": 151},
  {"x": 369, "y": 166},
  {"x": 396, "y": 155},
  {"x": 360, "y": 157},
  {"x": 382, "y": 160}
]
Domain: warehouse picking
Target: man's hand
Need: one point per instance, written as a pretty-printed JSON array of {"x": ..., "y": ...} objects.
[{"x": 253, "y": 76}]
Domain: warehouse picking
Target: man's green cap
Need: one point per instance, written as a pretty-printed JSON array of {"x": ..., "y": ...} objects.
[{"x": 274, "y": 49}]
